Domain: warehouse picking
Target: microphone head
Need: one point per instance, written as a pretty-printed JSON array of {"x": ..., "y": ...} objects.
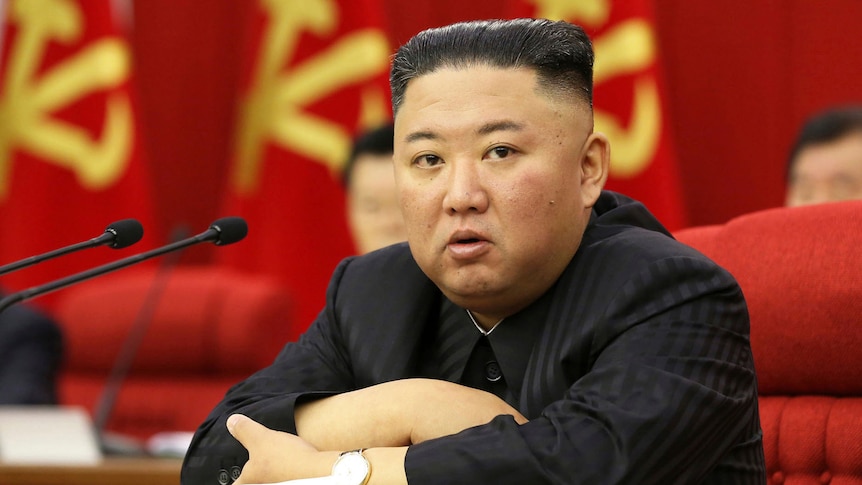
[
  {"x": 126, "y": 232},
  {"x": 230, "y": 230}
]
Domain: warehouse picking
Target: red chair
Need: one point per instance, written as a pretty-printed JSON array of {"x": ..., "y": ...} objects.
[
  {"x": 801, "y": 272},
  {"x": 211, "y": 328}
]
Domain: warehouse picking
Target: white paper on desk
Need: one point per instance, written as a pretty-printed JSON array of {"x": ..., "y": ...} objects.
[{"x": 47, "y": 435}]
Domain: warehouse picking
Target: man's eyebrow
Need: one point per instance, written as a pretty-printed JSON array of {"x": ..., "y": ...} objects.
[
  {"x": 420, "y": 135},
  {"x": 505, "y": 125}
]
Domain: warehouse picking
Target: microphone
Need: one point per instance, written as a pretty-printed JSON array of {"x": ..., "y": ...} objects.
[
  {"x": 222, "y": 232},
  {"x": 117, "y": 235}
]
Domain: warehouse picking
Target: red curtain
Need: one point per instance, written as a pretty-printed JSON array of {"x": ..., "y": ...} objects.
[
  {"x": 740, "y": 78},
  {"x": 70, "y": 160},
  {"x": 316, "y": 74}
]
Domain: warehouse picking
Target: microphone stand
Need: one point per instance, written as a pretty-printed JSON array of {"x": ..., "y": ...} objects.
[{"x": 114, "y": 443}]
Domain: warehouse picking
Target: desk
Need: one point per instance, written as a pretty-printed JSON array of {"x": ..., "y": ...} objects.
[{"x": 112, "y": 471}]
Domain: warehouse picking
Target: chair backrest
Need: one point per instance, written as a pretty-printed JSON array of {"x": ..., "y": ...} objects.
[
  {"x": 210, "y": 328},
  {"x": 801, "y": 272}
]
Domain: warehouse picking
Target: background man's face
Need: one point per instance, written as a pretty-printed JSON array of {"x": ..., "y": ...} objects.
[
  {"x": 827, "y": 172},
  {"x": 372, "y": 204}
]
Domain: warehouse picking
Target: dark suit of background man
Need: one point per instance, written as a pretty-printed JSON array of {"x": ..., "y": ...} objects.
[
  {"x": 533, "y": 330},
  {"x": 30, "y": 352}
]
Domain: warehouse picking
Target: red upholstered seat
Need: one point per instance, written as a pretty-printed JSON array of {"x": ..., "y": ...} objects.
[
  {"x": 211, "y": 328},
  {"x": 801, "y": 272}
]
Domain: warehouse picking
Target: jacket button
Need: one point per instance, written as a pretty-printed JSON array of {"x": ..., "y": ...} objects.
[
  {"x": 492, "y": 371},
  {"x": 223, "y": 477}
]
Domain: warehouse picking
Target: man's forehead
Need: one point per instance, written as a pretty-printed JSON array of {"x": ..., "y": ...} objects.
[
  {"x": 461, "y": 85},
  {"x": 486, "y": 128}
]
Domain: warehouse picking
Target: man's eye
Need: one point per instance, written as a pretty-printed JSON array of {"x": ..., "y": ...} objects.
[
  {"x": 427, "y": 161},
  {"x": 499, "y": 152}
]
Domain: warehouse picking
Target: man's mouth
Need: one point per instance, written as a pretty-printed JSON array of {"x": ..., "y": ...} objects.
[
  {"x": 466, "y": 236},
  {"x": 467, "y": 245}
]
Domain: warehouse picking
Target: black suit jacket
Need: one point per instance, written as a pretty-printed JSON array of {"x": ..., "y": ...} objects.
[
  {"x": 30, "y": 353},
  {"x": 640, "y": 373}
]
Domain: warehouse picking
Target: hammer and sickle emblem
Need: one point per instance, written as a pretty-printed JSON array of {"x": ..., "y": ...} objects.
[
  {"x": 628, "y": 48},
  {"x": 274, "y": 107},
  {"x": 29, "y": 100}
]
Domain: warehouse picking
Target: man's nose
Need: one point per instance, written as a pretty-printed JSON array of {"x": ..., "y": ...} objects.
[{"x": 465, "y": 189}]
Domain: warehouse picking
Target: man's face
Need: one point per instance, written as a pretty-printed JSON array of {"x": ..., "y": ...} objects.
[
  {"x": 372, "y": 204},
  {"x": 494, "y": 183},
  {"x": 827, "y": 172}
]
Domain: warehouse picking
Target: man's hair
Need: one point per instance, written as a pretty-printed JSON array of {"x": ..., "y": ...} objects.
[
  {"x": 824, "y": 127},
  {"x": 376, "y": 141},
  {"x": 559, "y": 52}
]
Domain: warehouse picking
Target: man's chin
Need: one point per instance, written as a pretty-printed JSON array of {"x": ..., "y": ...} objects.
[{"x": 478, "y": 296}]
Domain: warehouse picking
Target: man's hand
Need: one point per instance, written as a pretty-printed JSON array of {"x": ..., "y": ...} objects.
[{"x": 276, "y": 456}]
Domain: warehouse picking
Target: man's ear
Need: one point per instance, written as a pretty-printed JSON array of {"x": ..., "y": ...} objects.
[{"x": 595, "y": 163}]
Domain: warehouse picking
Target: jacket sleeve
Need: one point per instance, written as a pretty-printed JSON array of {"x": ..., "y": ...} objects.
[
  {"x": 669, "y": 396},
  {"x": 314, "y": 366}
]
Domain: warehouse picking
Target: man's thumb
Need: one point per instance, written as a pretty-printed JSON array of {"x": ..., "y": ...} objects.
[{"x": 242, "y": 427}]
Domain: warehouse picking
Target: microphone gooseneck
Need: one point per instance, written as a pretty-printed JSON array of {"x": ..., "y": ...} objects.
[
  {"x": 224, "y": 231},
  {"x": 117, "y": 235}
]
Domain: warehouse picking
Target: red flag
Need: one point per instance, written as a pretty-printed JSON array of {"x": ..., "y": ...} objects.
[
  {"x": 318, "y": 75},
  {"x": 69, "y": 151},
  {"x": 628, "y": 98}
]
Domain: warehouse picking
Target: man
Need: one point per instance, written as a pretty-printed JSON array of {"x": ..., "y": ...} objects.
[
  {"x": 31, "y": 347},
  {"x": 372, "y": 201},
  {"x": 534, "y": 330},
  {"x": 825, "y": 164}
]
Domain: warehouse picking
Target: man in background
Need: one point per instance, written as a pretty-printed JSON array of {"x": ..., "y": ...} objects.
[
  {"x": 30, "y": 352},
  {"x": 372, "y": 201},
  {"x": 825, "y": 164}
]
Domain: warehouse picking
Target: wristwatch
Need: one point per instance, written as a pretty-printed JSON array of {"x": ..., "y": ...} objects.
[{"x": 351, "y": 468}]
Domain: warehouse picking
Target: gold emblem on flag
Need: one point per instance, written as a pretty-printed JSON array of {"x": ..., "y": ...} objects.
[
  {"x": 29, "y": 100},
  {"x": 627, "y": 48},
  {"x": 274, "y": 109}
]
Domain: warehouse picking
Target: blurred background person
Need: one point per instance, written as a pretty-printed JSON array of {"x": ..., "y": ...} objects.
[
  {"x": 372, "y": 204},
  {"x": 825, "y": 164},
  {"x": 31, "y": 348}
]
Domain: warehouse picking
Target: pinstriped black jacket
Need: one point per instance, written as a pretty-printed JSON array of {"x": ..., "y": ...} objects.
[{"x": 640, "y": 372}]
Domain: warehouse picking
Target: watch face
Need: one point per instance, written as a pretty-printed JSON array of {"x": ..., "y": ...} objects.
[{"x": 351, "y": 469}]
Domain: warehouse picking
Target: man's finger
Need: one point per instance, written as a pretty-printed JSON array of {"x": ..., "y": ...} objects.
[{"x": 244, "y": 429}]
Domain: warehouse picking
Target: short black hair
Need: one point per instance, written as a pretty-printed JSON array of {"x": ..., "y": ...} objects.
[
  {"x": 825, "y": 127},
  {"x": 376, "y": 141},
  {"x": 560, "y": 53}
]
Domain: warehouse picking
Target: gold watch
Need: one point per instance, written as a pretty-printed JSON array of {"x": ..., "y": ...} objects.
[{"x": 351, "y": 468}]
